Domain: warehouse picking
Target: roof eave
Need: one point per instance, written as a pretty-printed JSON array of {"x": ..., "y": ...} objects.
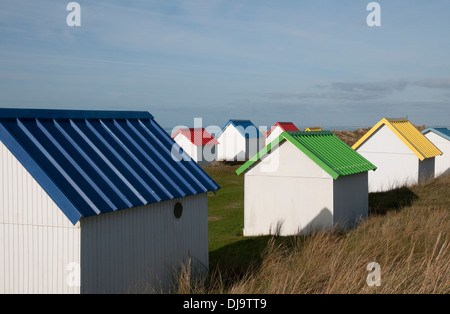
[
  {"x": 387, "y": 122},
  {"x": 436, "y": 132}
]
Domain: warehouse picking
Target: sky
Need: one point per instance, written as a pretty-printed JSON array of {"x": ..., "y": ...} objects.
[{"x": 312, "y": 62}]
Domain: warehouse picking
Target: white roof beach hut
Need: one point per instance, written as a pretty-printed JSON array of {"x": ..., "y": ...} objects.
[
  {"x": 440, "y": 137},
  {"x": 239, "y": 140},
  {"x": 198, "y": 143},
  {"x": 94, "y": 202},
  {"x": 304, "y": 181},
  {"x": 279, "y": 128},
  {"x": 401, "y": 153}
]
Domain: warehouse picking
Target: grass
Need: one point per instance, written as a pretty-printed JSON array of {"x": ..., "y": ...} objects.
[
  {"x": 407, "y": 234},
  {"x": 226, "y": 207}
]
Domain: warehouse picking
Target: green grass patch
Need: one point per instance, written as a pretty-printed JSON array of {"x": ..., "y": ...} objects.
[{"x": 225, "y": 208}]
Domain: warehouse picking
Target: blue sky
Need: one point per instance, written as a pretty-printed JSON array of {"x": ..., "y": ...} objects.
[{"x": 309, "y": 62}]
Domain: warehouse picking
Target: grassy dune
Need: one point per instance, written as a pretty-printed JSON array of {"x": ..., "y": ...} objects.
[
  {"x": 407, "y": 234},
  {"x": 410, "y": 243}
]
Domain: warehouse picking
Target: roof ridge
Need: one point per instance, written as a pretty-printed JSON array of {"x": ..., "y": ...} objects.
[
  {"x": 23, "y": 113},
  {"x": 315, "y": 133},
  {"x": 397, "y": 119}
]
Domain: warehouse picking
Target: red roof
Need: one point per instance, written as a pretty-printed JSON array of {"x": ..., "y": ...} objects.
[
  {"x": 197, "y": 136},
  {"x": 285, "y": 126}
]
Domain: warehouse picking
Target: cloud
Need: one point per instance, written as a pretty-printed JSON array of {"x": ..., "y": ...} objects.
[
  {"x": 371, "y": 87},
  {"x": 332, "y": 95},
  {"x": 360, "y": 91},
  {"x": 389, "y": 86},
  {"x": 440, "y": 83},
  {"x": 354, "y": 91}
]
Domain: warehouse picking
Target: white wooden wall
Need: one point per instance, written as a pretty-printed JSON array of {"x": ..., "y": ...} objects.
[
  {"x": 232, "y": 145},
  {"x": 442, "y": 164},
  {"x": 137, "y": 249},
  {"x": 350, "y": 200},
  {"x": 37, "y": 242},
  {"x": 396, "y": 164},
  {"x": 287, "y": 188}
]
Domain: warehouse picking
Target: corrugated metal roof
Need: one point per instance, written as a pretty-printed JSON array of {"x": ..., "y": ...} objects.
[
  {"x": 314, "y": 128},
  {"x": 197, "y": 136},
  {"x": 285, "y": 126},
  {"x": 245, "y": 127},
  {"x": 408, "y": 134},
  {"x": 93, "y": 162},
  {"x": 444, "y": 132},
  {"x": 325, "y": 149}
]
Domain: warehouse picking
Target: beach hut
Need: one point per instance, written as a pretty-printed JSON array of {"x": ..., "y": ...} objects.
[
  {"x": 279, "y": 128},
  {"x": 95, "y": 202},
  {"x": 302, "y": 182},
  {"x": 198, "y": 143},
  {"x": 314, "y": 128},
  {"x": 401, "y": 153},
  {"x": 440, "y": 137},
  {"x": 239, "y": 140}
]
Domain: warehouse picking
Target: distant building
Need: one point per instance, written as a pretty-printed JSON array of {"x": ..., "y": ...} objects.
[
  {"x": 308, "y": 181},
  {"x": 239, "y": 140},
  {"x": 95, "y": 202},
  {"x": 401, "y": 153},
  {"x": 198, "y": 143},
  {"x": 315, "y": 128},
  {"x": 440, "y": 137},
  {"x": 279, "y": 128}
]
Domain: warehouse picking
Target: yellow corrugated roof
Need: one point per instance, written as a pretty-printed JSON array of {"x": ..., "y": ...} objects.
[
  {"x": 316, "y": 128},
  {"x": 409, "y": 135}
]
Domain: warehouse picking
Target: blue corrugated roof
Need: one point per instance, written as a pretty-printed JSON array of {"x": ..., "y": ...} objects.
[
  {"x": 93, "y": 162},
  {"x": 245, "y": 127},
  {"x": 444, "y": 132}
]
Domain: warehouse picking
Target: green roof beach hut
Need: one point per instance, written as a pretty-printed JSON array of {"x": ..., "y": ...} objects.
[{"x": 304, "y": 181}]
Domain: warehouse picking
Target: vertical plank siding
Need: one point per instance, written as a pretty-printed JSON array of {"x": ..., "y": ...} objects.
[
  {"x": 37, "y": 241},
  {"x": 138, "y": 249}
]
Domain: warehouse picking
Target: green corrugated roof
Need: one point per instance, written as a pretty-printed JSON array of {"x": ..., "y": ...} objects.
[{"x": 324, "y": 148}]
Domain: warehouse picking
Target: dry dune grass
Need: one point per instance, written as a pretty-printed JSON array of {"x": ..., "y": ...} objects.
[
  {"x": 351, "y": 137},
  {"x": 410, "y": 243}
]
